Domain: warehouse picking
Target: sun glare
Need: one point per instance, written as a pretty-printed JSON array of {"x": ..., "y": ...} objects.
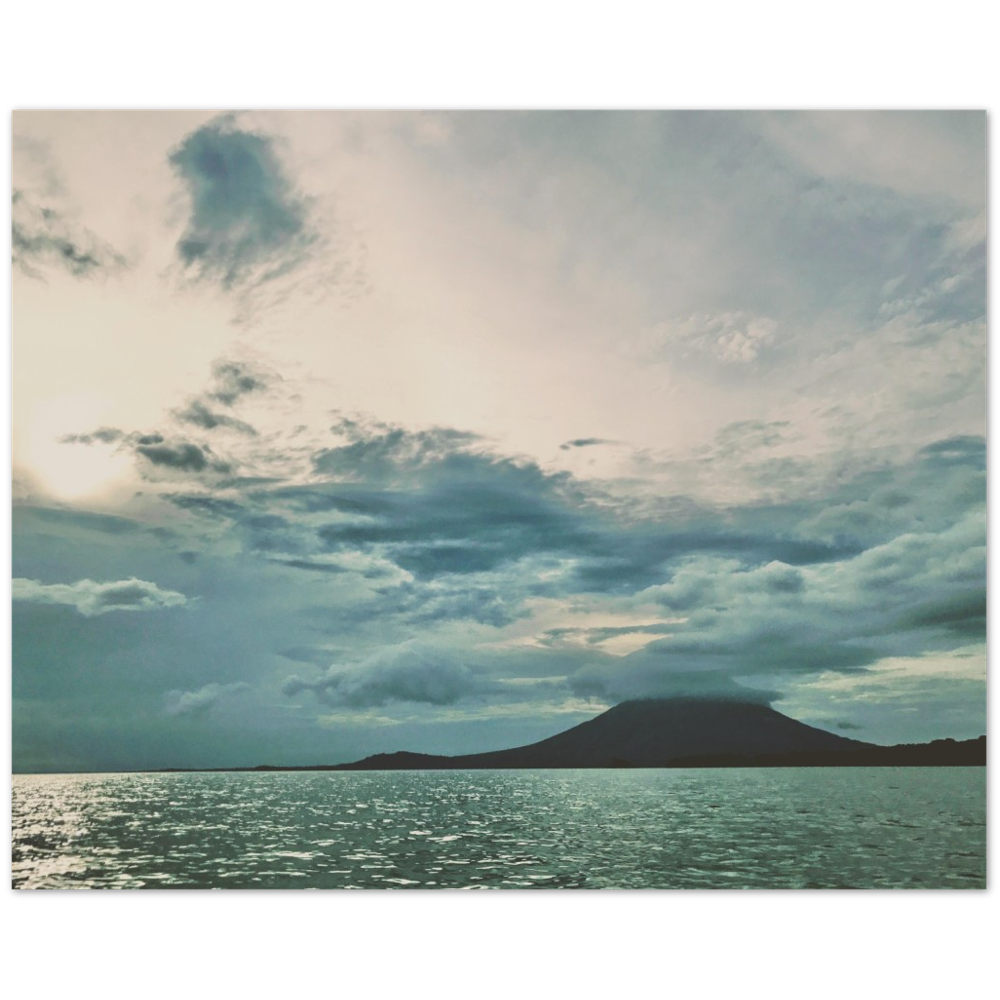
[{"x": 68, "y": 470}]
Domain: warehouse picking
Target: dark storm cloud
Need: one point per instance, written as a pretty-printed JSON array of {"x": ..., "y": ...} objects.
[
  {"x": 962, "y": 613},
  {"x": 439, "y": 509},
  {"x": 198, "y": 414},
  {"x": 183, "y": 457},
  {"x": 755, "y": 599},
  {"x": 463, "y": 514},
  {"x": 247, "y": 223},
  {"x": 43, "y": 236},
  {"x": 636, "y": 558}
]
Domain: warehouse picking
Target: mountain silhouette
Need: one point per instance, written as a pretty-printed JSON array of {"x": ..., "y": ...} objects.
[
  {"x": 650, "y": 733},
  {"x": 676, "y": 732}
]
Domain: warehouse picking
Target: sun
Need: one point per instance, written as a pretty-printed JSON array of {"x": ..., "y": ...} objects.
[{"x": 69, "y": 471}]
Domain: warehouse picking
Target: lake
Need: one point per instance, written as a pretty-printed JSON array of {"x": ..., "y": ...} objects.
[{"x": 754, "y": 828}]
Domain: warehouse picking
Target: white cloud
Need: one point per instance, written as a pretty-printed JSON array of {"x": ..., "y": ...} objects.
[
  {"x": 197, "y": 702},
  {"x": 732, "y": 337},
  {"x": 91, "y": 598}
]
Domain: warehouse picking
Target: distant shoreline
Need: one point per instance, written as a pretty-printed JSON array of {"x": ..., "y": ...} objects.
[{"x": 937, "y": 753}]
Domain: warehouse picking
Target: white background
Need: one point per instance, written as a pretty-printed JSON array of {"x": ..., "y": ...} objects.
[
  {"x": 523, "y": 53},
  {"x": 432, "y": 951}
]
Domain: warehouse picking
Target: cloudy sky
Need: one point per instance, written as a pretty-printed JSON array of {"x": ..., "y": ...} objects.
[{"x": 337, "y": 433}]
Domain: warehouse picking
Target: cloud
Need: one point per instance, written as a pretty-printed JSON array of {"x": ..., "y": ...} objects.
[
  {"x": 182, "y": 456},
  {"x": 103, "y": 435},
  {"x": 641, "y": 679},
  {"x": 109, "y": 524},
  {"x": 231, "y": 382},
  {"x": 963, "y": 613},
  {"x": 496, "y": 603},
  {"x": 204, "y": 503},
  {"x": 822, "y": 305},
  {"x": 234, "y": 379},
  {"x": 735, "y": 640},
  {"x": 379, "y": 451},
  {"x": 964, "y": 449},
  {"x": 247, "y": 223},
  {"x": 442, "y": 512},
  {"x": 411, "y": 672},
  {"x": 914, "y": 593},
  {"x": 745, "y": 436},
  {"x": 175, "y": 455},
  {"x": 456, "y": 514},
  {"x": 595, "y": 635},
  {"x": 426, "y": 529},
  {"x": 91, "y": 598},
  {"x": 877, "y": 148},
  {"x": 584, "y": 443},
  {"x": 198, "y": 414},
  {"x": 313, "y": 565},
  {"x": 179, "y": 703},
  {"x": 733, "y": 338},
  {"x": 44, "y": 236},
  {"x": 404, "y": 532}
]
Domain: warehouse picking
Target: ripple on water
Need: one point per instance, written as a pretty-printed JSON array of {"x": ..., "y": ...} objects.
[{"x": 781, "y": 828}]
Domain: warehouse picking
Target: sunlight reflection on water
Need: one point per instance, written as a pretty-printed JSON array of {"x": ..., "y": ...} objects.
[{"x": 746, "y": 828}]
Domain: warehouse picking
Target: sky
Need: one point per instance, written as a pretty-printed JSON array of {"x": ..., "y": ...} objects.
[{"x": 338, "y": 433}]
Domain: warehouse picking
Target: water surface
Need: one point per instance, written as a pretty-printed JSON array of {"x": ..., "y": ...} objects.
[{"x": 624, "y": 829}]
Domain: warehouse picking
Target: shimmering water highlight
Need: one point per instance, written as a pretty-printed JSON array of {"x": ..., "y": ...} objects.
[{"x": 626, "y": 829}]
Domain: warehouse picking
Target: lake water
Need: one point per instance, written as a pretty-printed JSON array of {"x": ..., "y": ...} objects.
[{"x": 622, "y": 829}]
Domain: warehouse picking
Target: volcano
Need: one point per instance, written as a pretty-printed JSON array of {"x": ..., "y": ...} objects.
[{"x": 652, "y": 733}]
